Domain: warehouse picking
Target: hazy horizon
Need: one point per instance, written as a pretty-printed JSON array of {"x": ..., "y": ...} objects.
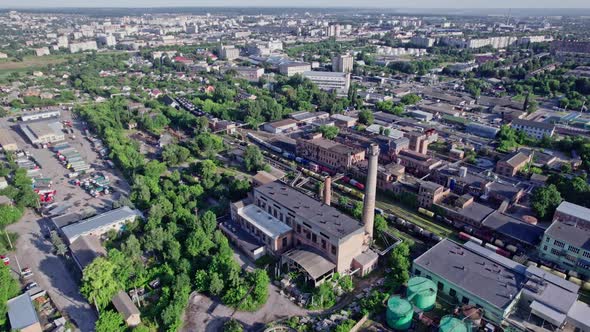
[{"x": 404, "y": 4}]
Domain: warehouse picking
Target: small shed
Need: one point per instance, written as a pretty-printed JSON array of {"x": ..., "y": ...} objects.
[{"x": 127, "y": 308}]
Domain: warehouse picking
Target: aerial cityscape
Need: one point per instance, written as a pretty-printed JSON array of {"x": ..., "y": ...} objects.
[{"x": 326, "y": 166}]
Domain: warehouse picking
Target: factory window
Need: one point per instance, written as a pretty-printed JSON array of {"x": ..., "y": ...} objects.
[
  {"x": 452, "y": 292},
  {"x": 314, "y": 238},
  {"x": 465, "y": 300},
  {"x": 558, "y": 243},
  {"x": 544, "y": 248},
  {"x": 555, "y": 252},
  {"x": 323, "y": 244},
  {"x": 285, "y": 242},
  {"x": 417, "y": 272},
  {"x": 574, "y": 249},
  {"x": 440, "y": 286},
  {"x": 547, "y": 239},
  {"x": 298, "y": 228},
  {"x": 333, "y": 250},
  {"x": 586, "y": 254}
]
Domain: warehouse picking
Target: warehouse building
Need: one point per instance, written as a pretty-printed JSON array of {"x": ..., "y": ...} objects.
[
  {"x": 512, "y": 163},
  {"x": 39, "y": 133},
  {"x": 7, "y": 142},
  {"x": 100, "y": 224},
  {"x": 472, "y": 274},
  {"x": 22, "y": 314},
  {"x": 127, "y": 309},
  {"x": 54, "y": 113}
]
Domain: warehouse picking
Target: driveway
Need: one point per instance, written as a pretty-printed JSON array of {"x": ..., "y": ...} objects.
[{"x": 52, "y": 273}]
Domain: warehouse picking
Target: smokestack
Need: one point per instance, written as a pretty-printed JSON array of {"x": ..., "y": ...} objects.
[
  {"x": 327, "y": 199},
  {"x": 370, "y": 189}
]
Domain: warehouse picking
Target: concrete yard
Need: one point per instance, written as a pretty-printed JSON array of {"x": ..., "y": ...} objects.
[{"x": 56, "y": 275}]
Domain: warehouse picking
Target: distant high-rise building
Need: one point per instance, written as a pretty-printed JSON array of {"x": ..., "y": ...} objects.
[
  {"x": 333, "y": 30},
  {"x": 343, "y": 63},
  {"x": 228, "y": 52}
]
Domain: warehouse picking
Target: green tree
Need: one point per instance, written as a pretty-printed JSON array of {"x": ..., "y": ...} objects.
[
  {"x": 9, "y": 288},
  {"x": 345, "y": 326},
  {"x": 60, "y": 248},
  {"x": 215, "y": 284},
  {"x": 99, "y": 283},
  {"x": 110, "y": 321},
  {"x": 410, "y": 99},
  {"x": 366, "y": 117},
  {"x": 545, "y": 200},
  {"x": 8, "y": 215},
  {"x": 232, "y": 325},
  {"x": 329, "y": 132},
  {"x": 253, "y": 158},
  {"x": 399, "y": 261}
]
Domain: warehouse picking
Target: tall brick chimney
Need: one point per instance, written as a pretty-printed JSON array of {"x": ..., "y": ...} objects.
[{"x": 370, "y": 189}]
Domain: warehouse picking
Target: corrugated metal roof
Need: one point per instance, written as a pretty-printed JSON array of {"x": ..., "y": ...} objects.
[
  {"x": 21, "y": 312},
  {"x": 87, "y": 225}
]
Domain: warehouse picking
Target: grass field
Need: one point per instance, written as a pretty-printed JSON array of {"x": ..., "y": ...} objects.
[{"x": 8, "y": 66}]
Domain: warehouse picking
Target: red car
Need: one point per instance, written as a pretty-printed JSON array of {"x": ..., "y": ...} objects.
[{"x": 5, "y": 260}]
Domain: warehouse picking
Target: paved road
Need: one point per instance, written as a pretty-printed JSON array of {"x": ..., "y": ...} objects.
[{"x": 51, "y": 272}]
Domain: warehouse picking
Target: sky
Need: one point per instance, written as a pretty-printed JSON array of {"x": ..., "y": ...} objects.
[{"x": 301, "y": 3}]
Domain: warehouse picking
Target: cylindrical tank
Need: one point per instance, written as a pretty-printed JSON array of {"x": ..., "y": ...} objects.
[
  {"x": 422, "y": 292},
  {"x": 399, "y": 313},
  {"x": 451, "y": 324}
]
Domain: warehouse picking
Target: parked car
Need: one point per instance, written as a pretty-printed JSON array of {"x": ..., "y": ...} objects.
[
  {"x": 5, "y": 260},
  {"x": 31, "y": 285},
  {"x": 26, "y": 275},
  {"x": 26, "y": 270}
]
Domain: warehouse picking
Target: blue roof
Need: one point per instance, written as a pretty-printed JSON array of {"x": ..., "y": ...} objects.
[{"x": 21, "y": 312}]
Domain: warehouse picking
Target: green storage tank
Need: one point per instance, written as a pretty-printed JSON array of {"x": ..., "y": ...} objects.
[
  {"x": 452, "y": 324},
  {"x": 422, "y": 293},
  {"x": 399, "y": 313}
]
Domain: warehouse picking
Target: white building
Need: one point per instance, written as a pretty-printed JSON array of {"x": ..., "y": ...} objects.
[
  {"x": 533, "y": 128},
  {"x": 330, "y": 81},
  {"x": 106, "y": 41},
  {"x": 83, "y": 46},
  {"x": 294, "y": 68},
  {"x": 228, "y": 52},
  {"x": 100, "y": 224},
  {"x": 41, "y": 51},
  {"x": 422, "y": 41},
  {"x": 343, "y": 63}
]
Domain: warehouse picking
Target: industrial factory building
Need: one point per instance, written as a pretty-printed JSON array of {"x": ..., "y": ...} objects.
[
  {"x": 43, "y": 132},
  {"x": 329, "y": 153},
  {"x": 472, "y": 274},
  {"x": 309, "y": 235}
]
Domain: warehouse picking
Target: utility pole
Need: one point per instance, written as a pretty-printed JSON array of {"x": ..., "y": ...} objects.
[{"x": 15, "y": 255}]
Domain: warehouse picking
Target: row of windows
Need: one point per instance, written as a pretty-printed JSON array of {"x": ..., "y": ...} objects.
[{"x": 452, "y": 291}]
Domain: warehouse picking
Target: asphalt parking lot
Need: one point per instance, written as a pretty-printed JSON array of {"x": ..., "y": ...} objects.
[{"x": 33, "y": 248}]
